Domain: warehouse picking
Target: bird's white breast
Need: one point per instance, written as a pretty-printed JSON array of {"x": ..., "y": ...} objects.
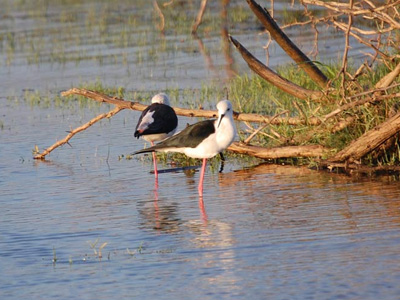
[{"x": 215, "y": 143}]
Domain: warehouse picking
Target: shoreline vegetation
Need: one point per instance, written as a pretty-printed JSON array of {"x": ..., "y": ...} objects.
[{"x": 342, "y": 118}]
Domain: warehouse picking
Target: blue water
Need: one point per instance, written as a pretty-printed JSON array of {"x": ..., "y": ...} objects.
[
  {"x": 276, "y": 232},
  {"x": 261, "y": 232}
]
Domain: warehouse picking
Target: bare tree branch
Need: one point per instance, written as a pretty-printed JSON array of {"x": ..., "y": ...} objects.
[
  {"x": 77, "y": 130},
  {"x": 274, "y": 78},
  {"x": 191, "y": 112},
  {"x": 287, "y": 45},
  {"x": 279, "y": 152},
  {"x": 369, "y": 141}
]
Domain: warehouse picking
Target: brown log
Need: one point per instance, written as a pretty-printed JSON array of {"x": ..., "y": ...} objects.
[
  {"x": 287, "y": 45},
  {"x": 274, "y": 78},
  {"x": 369, "y": 141},
  {"x": 192, "y": 112},
  {"x": 278, "y": 152}
]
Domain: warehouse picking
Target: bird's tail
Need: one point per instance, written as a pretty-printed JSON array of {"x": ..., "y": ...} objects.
[
  {"x": 158, "y": 147},
  {"x": 144, "y": 151}
]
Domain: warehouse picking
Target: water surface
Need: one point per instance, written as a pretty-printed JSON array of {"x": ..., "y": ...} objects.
[{"x": 260, "y": 232}]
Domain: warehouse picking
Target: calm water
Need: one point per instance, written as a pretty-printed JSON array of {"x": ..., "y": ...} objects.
[{"x": 261, "y": 232}]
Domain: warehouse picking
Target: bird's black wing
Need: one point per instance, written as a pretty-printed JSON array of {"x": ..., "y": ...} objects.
[
  {"x": 190, "y": 137},
  {"x": 165, "y": 120}
]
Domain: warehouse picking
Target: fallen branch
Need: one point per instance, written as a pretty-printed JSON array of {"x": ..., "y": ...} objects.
[
  {"x": 274, "y": 78},
  {"x": 369, "y": 141},
  {"x": 278, "y": 152},
  {"x": 287, "y": 45},
  {"x": 77, "y": 130},
  {"x": 191, "y": 112}
]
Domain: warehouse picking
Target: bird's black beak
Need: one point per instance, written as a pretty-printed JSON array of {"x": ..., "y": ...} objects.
[{"x": 220, "y": 119}]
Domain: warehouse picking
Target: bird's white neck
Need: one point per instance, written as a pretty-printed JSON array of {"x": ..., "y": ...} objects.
[{"x": 226, "y": 131}]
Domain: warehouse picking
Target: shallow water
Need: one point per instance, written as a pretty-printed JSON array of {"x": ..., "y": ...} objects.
[
  {"x": 266, "y": 231},
  {"x": 261, "y": 231}
]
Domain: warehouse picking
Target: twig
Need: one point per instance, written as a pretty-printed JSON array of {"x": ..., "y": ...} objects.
[
  {"x": 247, "y": 141},
  {"x": 358, "y": 38},
  {"x": 358, "y": 103},
  {"x": 346, "y": 51}
]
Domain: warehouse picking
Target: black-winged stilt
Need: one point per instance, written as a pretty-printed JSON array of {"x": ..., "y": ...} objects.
[
  {"x": 157, "y": 122},
  {"x": 204, "y": 139}
]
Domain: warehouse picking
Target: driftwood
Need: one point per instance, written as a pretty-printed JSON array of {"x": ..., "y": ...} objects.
[
  {"x": 383, "y": 135},
  {"x": 278, "y": 152},
  {"x": 267, "y": 74},
  {"x": 369, "y": 141},
  {"x": 77, "y": 130},
  {"x": 287, "y": 45},
  {"x": 202, "y": 113}
]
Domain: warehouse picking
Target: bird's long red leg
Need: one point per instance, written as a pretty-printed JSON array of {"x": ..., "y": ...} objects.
[
  {"x": 203, "y": 169},
  {"x": 154, "y": 162}
]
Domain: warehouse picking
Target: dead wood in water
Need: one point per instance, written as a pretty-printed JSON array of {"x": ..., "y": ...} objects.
[
  {"x": 274, "y": 78},
  {"x": 202, "y": 113},
  {"x": 77, "y": 130},
  {"x": 287, "y": 45},
  {"x": 278, "y": 152},
  {"x": 371, "y": 140}
]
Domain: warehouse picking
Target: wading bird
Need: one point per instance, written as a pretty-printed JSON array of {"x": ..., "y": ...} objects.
[
  {"x": 204, "y": 139},
  {"x": 156, "y": 123}
]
